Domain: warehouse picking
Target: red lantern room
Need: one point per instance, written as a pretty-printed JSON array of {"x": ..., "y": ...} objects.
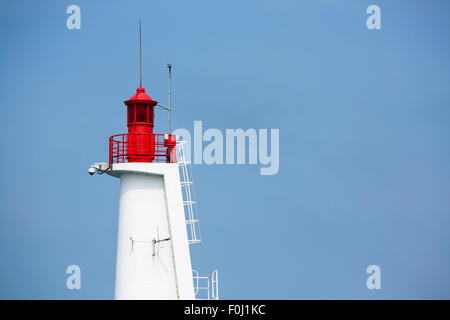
[
  {"x": 141, "y": 144},
  {"x": 140, "y": 122}
]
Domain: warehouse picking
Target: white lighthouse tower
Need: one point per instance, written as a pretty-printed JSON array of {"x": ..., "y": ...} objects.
[{"x": 156, "y": 219}]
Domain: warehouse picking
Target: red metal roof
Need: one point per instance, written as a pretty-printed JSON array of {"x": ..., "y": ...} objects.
[{"x": 140, "y": 95}]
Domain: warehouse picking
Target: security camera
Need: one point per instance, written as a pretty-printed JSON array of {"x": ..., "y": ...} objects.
[{"x": 91, "y": 171}]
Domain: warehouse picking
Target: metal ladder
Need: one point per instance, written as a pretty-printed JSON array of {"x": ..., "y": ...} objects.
[{"x": 187, "y": 189}]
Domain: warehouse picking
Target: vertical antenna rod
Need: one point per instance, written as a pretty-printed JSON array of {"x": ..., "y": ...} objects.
[
  {"x": 169, "y": 65},
  {"x": 140, "y": 55}
]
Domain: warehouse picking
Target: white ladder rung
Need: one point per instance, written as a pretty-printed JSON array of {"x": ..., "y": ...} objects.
[{"x": 189, "y": 202}]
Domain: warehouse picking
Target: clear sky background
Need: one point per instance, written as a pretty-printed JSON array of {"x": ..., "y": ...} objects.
[{"x": 364, "y": 142}]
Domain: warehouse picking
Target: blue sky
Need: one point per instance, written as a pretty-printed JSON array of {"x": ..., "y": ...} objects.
[{"x": 364, "y": 142}]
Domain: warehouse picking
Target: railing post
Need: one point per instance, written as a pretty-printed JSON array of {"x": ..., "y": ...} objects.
[
  {"x": 123, "y": 148},
  {"x": 110, "y": 150}
]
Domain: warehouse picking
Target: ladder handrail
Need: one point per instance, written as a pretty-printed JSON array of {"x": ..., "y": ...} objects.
[{"x": 211, "y": 285}]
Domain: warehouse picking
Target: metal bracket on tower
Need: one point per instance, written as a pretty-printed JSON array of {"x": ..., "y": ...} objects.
[
  {"x": 154, "y": 242},
  {"x": 99, "y": 167},
  {"x": 158, "y": 241}
]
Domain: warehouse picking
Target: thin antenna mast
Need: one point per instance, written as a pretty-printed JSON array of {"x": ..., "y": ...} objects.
[
  {"x": 169, "y": 65},
  {"x": 140, "y": 54}
]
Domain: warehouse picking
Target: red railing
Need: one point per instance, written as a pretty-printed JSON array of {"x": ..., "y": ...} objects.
[{"x": 142, "y": 147}]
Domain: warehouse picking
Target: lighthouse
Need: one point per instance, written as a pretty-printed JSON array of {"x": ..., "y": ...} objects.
[
  {"x": 153, "y": 260},
  {"x": 156, "y": 217},
  {"x": 157, "y": 214}
]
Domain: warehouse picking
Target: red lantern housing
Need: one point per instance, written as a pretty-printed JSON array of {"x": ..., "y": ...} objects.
[{"x": 140, "y": 122}]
